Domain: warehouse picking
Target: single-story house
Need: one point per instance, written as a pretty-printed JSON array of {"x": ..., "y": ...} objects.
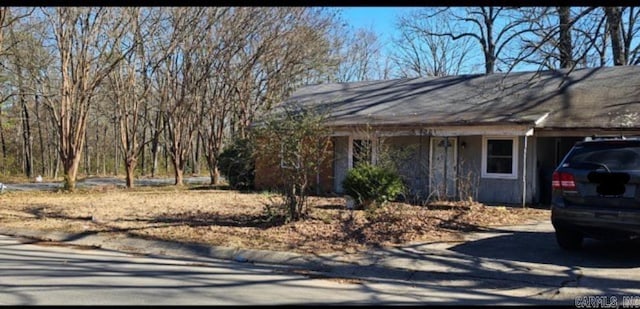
[{"x": 494, "y": 138}]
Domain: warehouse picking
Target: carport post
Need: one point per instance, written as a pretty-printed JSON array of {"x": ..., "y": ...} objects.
[
  {"x": 524, "y": 172},
  {"x": 524, "y": 167}
]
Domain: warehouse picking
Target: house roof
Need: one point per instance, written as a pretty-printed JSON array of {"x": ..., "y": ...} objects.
[{"x": 607, "y": 97}]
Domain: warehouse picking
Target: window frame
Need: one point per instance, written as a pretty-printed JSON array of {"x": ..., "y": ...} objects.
[
  {"x": 514, "y": 158},
  {"x": 373, "y": 156}
]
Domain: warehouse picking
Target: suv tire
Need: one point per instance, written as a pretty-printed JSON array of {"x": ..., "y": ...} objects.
[{"x": 568, "y": 239}]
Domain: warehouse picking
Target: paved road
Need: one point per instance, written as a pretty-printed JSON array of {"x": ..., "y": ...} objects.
[
  {"x": 102, "y": 181},
  {"x": 517, "y": 265},
  {"x": 50, "y": 275},
  {"x": 60, "y": 275}
]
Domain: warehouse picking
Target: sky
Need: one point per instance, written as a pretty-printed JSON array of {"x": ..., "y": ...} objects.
[{"x": 380, "y": 19}]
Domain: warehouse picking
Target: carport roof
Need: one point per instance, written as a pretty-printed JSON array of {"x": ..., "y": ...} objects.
[{"x": 607, "y": 97}]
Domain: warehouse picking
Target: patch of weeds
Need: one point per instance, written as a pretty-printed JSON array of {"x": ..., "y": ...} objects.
[
  {"x": 325, "y": 217},
  {"x": 267, "y": 193},
  {"x": 274, "y": 212},
  {"x": 384, "y": 212}
]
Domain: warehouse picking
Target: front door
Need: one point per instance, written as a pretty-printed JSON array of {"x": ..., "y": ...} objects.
[{"x": 443, "y": 167}]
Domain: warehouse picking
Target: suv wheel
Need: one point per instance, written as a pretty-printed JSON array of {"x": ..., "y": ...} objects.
[{"x": 568, "y": 239}]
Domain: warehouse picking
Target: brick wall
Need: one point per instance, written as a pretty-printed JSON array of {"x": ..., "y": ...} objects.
[{"x": 267, "y": 174}]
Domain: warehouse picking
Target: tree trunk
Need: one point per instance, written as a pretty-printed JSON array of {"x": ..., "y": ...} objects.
[
  {"x": 142, "y": 153},
  {"x": 70, "y": 172},
  {"x": 614, "y": 21},
  {"x": 116, "y": 161},
  {"x": 42, "y": 171},
  {"x": 56, "y": 167},
  {"x": 490, "y": 52},
  {"x": 165, "y": 150},
  {"x": 54, "y": 158},
  {"x": 196, "y": 158},
  {"x": 87, "y": 159},
  {"x": 131, "y": 167},
  {"x": 154, "y": 144},
  {"x": 166, "y": 160},
  {"x": 154, "y": 157},
  {"x": 178, "y": 171},
  {"x": 26, "y": 138},
  {"x": 565, "y": 46},
  {"x": 4, "y": 145},
  {"x": 215, "y": 175},
  {"x": 104, "y": 155}
]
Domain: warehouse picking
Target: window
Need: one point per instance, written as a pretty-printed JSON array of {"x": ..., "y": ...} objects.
[
  {"x": 362, "y": 151},
  {"x": 618, "y": 155},
  {"x": 499, "y": 157}
]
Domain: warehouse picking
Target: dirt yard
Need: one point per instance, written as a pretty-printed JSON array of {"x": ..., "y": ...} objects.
[{"x": 234, "y": 219}]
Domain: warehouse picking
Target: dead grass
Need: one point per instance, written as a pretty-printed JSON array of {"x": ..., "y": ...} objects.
[{"x": 234, "y": 219}]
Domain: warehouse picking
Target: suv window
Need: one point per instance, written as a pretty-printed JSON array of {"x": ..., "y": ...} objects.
[{"x": 608, "y": 155}]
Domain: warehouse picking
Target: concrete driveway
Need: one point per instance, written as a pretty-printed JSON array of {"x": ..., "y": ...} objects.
[
  {"x": 520, "y": 261},
  {"x": 601, "y": 268}
]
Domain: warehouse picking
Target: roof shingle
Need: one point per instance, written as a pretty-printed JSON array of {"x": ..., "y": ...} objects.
[{"x": 607, "y": 97}]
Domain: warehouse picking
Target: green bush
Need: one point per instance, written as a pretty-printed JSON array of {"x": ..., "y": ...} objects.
[
  {"x": 236, "y": 164},
  {"x": 372, "y": 185}
]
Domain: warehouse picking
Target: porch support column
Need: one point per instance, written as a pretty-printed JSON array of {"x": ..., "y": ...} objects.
[{"x": 524, "y": 167}]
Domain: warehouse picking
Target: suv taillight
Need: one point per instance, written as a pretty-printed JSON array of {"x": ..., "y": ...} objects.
[{"x": 563, "y": 181}]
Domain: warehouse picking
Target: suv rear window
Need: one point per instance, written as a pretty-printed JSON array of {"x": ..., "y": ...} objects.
[{"x": 618, "y": 155}]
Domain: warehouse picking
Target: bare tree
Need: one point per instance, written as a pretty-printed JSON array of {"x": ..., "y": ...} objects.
[
  {"x": 3, "y": 19},
  {"x": 24, "y": 60},
  {"x": 623, "y": 33},
  {"x": 480, "y": 24},
  {"x": 563, "y": 37},
  {"x": 257, "y": 55},
  {"x": 631, "y": 35},
  {"x": 181, "y": 78},
  {"x": 8, "y": 18},
  {"x": 292, "y": 52},
  {"x": 131, "y": 87},
  {"x": 359, "y": 53},
  {"x": 85, "y": 43},
  {"x": 232, "y": 54},
  {"x": 420, "y": 54},
  {"x": 565, "y": 44}
]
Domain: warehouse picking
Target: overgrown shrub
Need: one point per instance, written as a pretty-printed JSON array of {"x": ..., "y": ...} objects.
[
  {"x": 296, "y": 141},
  {"x": 236, "y": 164},
  {"x": 372, "y": 185}
]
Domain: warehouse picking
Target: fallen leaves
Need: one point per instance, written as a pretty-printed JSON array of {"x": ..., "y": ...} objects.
[{"x": 234, "y": 219}]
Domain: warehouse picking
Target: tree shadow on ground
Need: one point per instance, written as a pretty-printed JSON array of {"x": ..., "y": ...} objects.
[
  {"x": 190, "y": 219},
  {"x": 541, "y": 247},
  {"x": 211, "y": 187}
]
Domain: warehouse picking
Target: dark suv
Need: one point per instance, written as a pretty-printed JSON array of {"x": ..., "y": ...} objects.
[{"x": 596, "y": 192}]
